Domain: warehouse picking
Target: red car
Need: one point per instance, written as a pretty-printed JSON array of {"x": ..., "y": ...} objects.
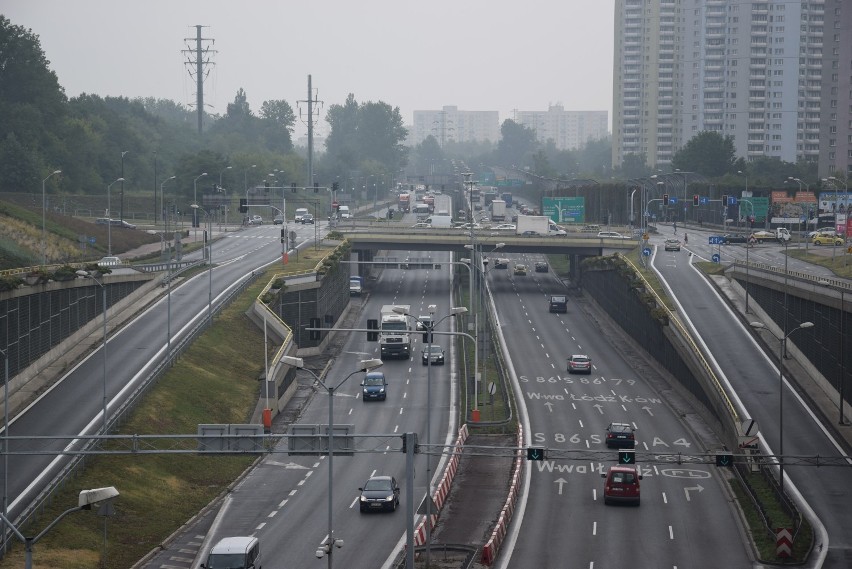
[
  {"x": 621, "y": 485},
  {"x": 579, "y": 363}
]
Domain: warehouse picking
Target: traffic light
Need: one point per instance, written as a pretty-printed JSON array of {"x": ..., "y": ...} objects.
[
  {"x": 293, "y": 187},
  {"x": 243, "y": 205},
  {"x": 373, "y": 324},
  {"x": 426, "y": 335},
  {"x": 413, "y": 438},
  {"x": 535, "y": 453},
  {"x": 665, "y": 199},
  {"x": 695, "y": 199},
  {"x": 626, "y": 457},
  {"x": 283, "y": 235},
  {"x": 724, "y": 459},
  {"x": 335, "y": 186},
  {"x": 725, "y": 199},
  {"x": 266, "y": 186},
  {"x": 316, "y": 187}
]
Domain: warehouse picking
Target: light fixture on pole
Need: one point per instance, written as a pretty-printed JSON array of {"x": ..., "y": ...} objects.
[
  {"x": 121, "y": 207},
  {"x": 197, "y": 207},
  {"x": 87, "y": 500},
  {"x": 88, "y": 275},
  {"x": 364, "y": 366},
  {"x": 429, "y": 328},
  {"x": 109, "y": 217},
  {"x": 195, "y": 201},
  {"x": 782, "y": 341},
  {"x": 43, "y": 224}
]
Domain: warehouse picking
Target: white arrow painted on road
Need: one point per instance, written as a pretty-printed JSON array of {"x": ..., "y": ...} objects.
[
  {"x": 549, "y": 406},
  {"x": 698, "y": 488},
  {"x": 600, "y": 409},
  {"x": 561, "y": 482},
  {"x": 648, "y": 409}
]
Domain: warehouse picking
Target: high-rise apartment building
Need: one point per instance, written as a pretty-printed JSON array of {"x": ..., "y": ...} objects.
[
  {"x": 569, "y": 130},
  {"x": 769, "y": 73},
  {"x": 450, "y": 124}
]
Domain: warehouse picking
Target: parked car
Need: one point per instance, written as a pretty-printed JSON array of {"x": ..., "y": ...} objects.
[
  {"x": 436, "y": 355},
  {"x": 827, "y": 240},
  {"x": 520, "y": 270},
  {"x": 580, "y": 363},
  {"x": 621, "y": 485},
  {"x": 541, "y": 267},
  {"x": 620, "y": 435},
  {"x": 672, "y": 245},
  {"x": 374, "y": 387},
  {"x": 379, "y": 494},
  {"x": 308, "y": 218}
]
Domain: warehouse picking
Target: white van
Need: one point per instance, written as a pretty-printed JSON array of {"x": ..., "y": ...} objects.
[
  {"x": 343, "y": 212},
  {"x": 300, "y": 213},
  {"x": 234, "y": 553},
  {"x": 440, "y": 221}
]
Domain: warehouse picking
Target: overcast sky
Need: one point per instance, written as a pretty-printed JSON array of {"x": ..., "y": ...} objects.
[{"x": 475, "y": 54}]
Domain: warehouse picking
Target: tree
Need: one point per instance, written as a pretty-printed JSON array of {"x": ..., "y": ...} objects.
[
  {"x": 517, "y": 145},
  {"x": 279, "y": 112},
  {"x": 240, "y": 107},
  {"x": 635, "y": 165},
  {"x": 707, "y": 153},
  {"x": 341, "y": 143}
]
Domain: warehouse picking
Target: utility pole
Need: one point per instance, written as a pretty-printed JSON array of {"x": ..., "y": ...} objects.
[
  {"x": 310, "y": 101},
  {"x": 197, "y": 68}
]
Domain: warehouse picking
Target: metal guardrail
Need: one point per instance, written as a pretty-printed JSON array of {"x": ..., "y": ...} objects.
[{"x": 844, "y": 284}]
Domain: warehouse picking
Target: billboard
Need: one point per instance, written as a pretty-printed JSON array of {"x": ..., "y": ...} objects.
[{"x": 564, "y": 210}]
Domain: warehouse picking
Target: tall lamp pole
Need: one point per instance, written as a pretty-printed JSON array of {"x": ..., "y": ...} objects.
[
  {"x": 121, "y": 208},
  {"x": 109, "y": 217},
  {"x": 364, "y": 366},
  {"x": 195, "y": 201},
  {"x": 782, "y": 348},
  {"x": 43, "y": 224},
  {"x": 429, "y": 328}
]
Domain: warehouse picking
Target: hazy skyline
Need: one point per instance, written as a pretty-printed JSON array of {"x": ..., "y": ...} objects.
[{"x": 475, "y": 54}]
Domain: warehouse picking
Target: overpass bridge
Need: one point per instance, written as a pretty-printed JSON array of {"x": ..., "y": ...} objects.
[{"x": 367, "y": 240}]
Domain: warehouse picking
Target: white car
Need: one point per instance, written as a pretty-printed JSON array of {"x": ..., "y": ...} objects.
[
  {"x": 505, "y": 227},
  {"x": 611, "y": 235},
  {"x": 421, "y": 225},
  {"x": 110, "y": 262}
]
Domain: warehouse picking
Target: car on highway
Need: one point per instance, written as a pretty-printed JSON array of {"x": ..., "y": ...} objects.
[
  {"x": 308, "y": 218},
  {"x": 505, "y": 227},
  {"x": 558, "y": 303},
  {"x": 110, "y": 262},
  {"x": 520, "y": 270},
  {"x": 278, "y": 220},
  {"x": 421, "y": 225},
  {"x": 541, "y": 267},
  {"x": 501, "y": 263},
  {"x": 620, "y": 435},
  {"x": 827, "y": 240},
  {"x": 255, "y": 220},
  {"x": 374, "y": 387},
  {"x": 621, "y": 485},
  {"x": 580, "y": 363},
  {"x": 379, "y": 494},
  {"x": 433, "y": 353},
  {"x": 672, "y": 245},
  {"x": 823, "y": 231},
  {"x": 611, "y": 235},
  {"x": 730, "y": 238}
]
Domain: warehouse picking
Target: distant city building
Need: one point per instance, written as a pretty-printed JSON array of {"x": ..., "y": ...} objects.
[
  {"x": 569, "y": 130},
  {"x": 772, "y": 74},
  {"x": 453, "y": 125}
]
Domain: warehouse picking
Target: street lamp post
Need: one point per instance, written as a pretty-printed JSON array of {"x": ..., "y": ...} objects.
[
  {"x": 197, "y": 207},
  {"x": 121, "y": 208},
  {"x": 86, "y": 501},
  {"x": 109, "y": 217},
  {"x": 43, "y": 224},
  {"x": 88, "y": 275},
  {"x": 782, "y": 348},
  {"x": 364, "y": 366},
  {"x": 195, "y": 201},
  {"x": 163, "y": 203},
  {"x": 429, "y": 328}
]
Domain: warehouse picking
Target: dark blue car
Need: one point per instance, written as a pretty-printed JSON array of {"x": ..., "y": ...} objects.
[{"x": 374, "y": 386}]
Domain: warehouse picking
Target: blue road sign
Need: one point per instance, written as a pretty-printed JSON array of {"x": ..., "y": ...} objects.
[
  {"x": 703, "y": 200},
  {"x": 672, "y": 200},
  {"x": 646, "y": 251},
  {"x": 732, "y": 200},
  {"x": 716, "y": 239},
  {"x": 716, "y": 258},
  {"x": 91, "y": 240}
]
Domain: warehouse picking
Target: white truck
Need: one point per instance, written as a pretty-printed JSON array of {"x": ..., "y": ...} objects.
[
  {"x": 537, "y": 225},
  {"x": 394, "y": 334},
  {"x": 343, "y": 212},
  {"x": 440, "y": 221},
  {"x": 498, "y": 210},
  {"x": 779, "y": 234},
  {"x": 300, "y": 213},
  {"x": 356, "y": 285}
]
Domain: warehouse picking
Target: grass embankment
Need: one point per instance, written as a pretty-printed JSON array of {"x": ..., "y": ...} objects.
[{"x": 215, "y": 381}]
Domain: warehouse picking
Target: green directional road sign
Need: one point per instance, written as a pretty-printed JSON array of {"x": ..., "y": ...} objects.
[
  {"x": 724, "y": 459},
  {"x": 534, "y": 453},
  {"x": 626, "y": 457}
]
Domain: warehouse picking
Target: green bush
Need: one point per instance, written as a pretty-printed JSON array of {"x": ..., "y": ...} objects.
[{"x": 10, "y": 282}]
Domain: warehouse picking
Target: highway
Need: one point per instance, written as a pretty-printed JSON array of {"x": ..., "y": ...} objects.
[
  {"x": 680, "y": 503},
  {"x": 753, "y": 375},
  {"x": 73, "y": 405}
]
